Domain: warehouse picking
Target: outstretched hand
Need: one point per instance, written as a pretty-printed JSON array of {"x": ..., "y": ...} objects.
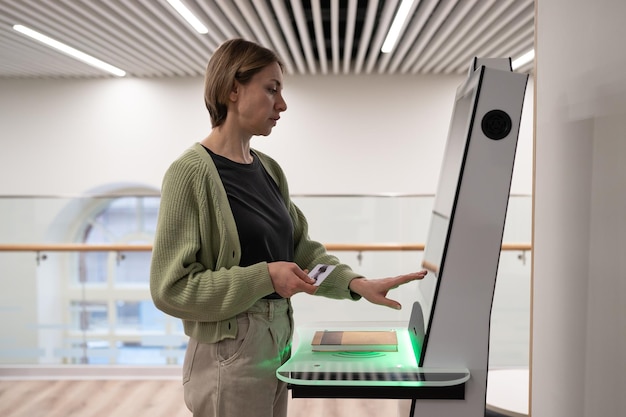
[{"x": 375, "y": 290}]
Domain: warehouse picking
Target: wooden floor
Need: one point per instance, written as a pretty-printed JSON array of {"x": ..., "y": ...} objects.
[{"x": 140, "y": 398}]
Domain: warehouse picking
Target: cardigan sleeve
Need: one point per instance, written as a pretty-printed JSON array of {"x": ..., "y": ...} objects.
[
  {"x": 194, "y": 273},
  {"x": 309, "y": 253}
]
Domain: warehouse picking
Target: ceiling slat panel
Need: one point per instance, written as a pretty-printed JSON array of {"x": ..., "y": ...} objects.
[
  {"x": 458, "y": 15},
  {"x": 148, "y": 38},
  {"x": 220, "y": 27},
  {"x": 234, "y": 17},
  {"x": 417, "y": 24},
  {"x": 124, "y": 40},
  {"x": 41, "y": 19},
  {"x": 93, "y": 38},
  {"x": 320, "y": 39},
  {"x": 366, "y": 34},
  {"x": 20, "y": 54},
  {"x": 152, "y": 25},
  {"x": 168, "y": 33},
  {"x": 478, "y": 32},
  {"x": 384, "y": 23},
  {"x": 490, "y": 33},
  {"x": 508, "y": 42},
  {"x": 292, "y": 40},
  {"x": 334, "y": 34},
  {"x": 435, "y": 22},
  {"x": 349, "y": 35},
  {"x": 404, "y": 41},
  {"x": 34, "y": 18},
  {"x": 505, "y": 38},
  {"x": 214, "y": 36},
  {"x": 461, "y": 31},
  {"x": 275, "y": 35},
  {"x": 518, "y": 50},
  {"x": 253, "y": 20},
  {"x": 105, "y": 27},
  {"x": 169, "y": 29},
  {"x": 304, "y": 36}
]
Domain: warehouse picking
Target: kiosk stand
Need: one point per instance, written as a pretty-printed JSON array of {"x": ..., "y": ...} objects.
[{"x": 442, "y": 356}]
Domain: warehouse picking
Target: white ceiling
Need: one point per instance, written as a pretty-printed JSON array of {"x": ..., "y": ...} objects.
[{"x": 147, "y": 38}]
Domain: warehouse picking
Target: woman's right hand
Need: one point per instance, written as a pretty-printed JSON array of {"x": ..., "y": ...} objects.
[{"x": 288, "y": 279}]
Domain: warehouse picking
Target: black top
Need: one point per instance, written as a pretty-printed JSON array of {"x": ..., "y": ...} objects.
[{"x": 263, "y": 223}]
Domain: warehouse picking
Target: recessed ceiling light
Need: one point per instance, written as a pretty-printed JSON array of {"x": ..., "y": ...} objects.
[
  {"x": 188, "y": 16},
  {"x": 68, "y": 50},
  {"x": 523, "y": 60},
  {"x": 394, "y": 30}
]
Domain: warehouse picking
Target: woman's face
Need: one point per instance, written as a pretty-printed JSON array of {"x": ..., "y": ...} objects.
[{"x": 257, "y": 105}]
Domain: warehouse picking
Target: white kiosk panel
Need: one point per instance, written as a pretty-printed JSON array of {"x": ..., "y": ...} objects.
[{"x": 464, "y": 243}]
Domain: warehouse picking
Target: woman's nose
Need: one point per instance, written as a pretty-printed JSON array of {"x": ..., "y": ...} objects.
[{"x": 281, "y": 104}]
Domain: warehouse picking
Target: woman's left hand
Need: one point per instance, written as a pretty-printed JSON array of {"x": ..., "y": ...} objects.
[{"x": 375, "y": 290}]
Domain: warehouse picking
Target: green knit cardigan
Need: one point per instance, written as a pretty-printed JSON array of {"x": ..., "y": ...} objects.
[{"x": 195, "y": 273}]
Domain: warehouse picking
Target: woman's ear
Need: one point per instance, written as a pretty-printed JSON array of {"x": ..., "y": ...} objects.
[{"x": 234, "y": 92}]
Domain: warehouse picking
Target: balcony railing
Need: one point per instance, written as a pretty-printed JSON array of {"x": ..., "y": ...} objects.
[{"x": 75, "y": 273}]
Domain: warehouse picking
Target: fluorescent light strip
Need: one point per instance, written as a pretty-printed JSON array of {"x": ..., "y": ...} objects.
[
  {"x": 523, "y": 60},
  {"x": 188, "y": 16},
  {"x": 398, "y": 22},
  {"x": 68, "y": 50}
]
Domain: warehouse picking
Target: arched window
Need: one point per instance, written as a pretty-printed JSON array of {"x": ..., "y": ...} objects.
[{"x": 110, "y": 314}]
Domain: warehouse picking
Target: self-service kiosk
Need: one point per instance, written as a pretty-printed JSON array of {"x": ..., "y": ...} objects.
[{"x": 442, "y": 355}]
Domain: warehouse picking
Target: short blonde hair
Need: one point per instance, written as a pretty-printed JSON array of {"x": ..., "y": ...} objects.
[{"x": 234, "y": 60}]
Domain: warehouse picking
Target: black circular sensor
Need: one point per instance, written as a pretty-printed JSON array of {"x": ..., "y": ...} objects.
[{"x": 496, "y": 124}]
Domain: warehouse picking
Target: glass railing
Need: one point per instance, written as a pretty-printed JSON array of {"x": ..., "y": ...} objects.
[{"x": 75, "y": 275}]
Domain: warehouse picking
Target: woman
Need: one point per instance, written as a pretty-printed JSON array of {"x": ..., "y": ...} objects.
[{"x": 231, "y": 248}]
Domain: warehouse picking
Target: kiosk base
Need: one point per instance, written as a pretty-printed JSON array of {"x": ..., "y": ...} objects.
[{"x": 455, "y": 392}]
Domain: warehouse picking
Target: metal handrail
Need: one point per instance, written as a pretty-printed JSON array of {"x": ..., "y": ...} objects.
[{"x": 358, "y": 247}]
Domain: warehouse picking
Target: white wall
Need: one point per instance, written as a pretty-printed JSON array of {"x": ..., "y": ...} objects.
[
  {"x": 579, "y": 273},
  {"x": 375, "y": 134}
]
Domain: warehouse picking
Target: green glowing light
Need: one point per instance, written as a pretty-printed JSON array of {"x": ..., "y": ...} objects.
[{"x": 364, "y": 368}]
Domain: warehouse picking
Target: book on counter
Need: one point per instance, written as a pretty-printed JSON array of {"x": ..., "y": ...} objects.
[{"x": 355, "y": 341}]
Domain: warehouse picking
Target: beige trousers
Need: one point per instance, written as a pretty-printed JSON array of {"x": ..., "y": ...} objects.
[{"x": 237, "y": 377}]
